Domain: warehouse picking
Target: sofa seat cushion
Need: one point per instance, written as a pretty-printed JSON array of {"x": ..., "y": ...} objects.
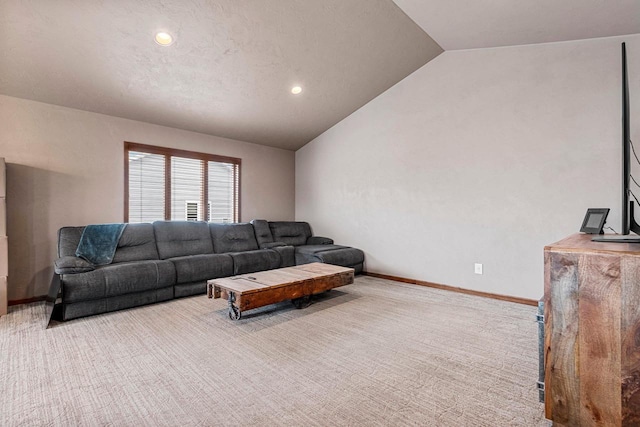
[
  {"x": 118, "y": 279},
  {"x": 329, "y": 254},
  {"x": 287, "y": 255},
  {"x": 252, "y": 261},
  {"x": 272, "y": 245},
  {"x": 195, "y": 268}
]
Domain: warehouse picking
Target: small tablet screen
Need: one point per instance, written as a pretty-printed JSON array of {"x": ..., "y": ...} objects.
[{"x": 594, "y": 220}]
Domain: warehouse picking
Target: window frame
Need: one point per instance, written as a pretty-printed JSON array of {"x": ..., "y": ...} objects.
[{"x": 174, "y": 152}]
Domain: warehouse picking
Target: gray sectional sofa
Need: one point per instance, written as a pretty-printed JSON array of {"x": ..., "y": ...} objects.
[{"x": 170, "y": 259}]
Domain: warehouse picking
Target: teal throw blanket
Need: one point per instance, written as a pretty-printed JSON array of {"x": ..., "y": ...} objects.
[{"x": 98, "y": 243}]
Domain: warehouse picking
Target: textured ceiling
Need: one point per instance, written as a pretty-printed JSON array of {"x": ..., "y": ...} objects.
[
  {"x": 229, "y": 71},
  {"x": 464, "y": 24},
  {"x": 233, "y": 63}
]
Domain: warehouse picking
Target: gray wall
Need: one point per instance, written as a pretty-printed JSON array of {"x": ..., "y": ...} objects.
[
  {"x": 66, "y": 167},
  {"x": 479, "y": 156}
]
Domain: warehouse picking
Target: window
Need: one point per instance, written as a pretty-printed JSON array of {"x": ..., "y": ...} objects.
[{"x": 163, "y": 183}]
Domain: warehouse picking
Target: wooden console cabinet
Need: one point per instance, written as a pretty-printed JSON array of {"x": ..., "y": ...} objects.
[{"x": 592, "y": 332}]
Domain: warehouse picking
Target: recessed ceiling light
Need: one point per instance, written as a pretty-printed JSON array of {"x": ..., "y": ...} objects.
[
  {"x": 163, "y": 39},
  {"x": 296, "y": 90}
]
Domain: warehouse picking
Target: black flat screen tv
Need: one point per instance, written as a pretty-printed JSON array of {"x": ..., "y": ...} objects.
[{"x": 629, "y": 224}]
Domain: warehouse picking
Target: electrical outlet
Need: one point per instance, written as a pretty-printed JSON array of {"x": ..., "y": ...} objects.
[{"x": 478, "y": 268}]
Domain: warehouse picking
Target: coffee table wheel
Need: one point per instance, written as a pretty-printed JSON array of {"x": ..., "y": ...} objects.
[
  {"x": 302, "y": 302},
  {"x": 234, "y": 313}
]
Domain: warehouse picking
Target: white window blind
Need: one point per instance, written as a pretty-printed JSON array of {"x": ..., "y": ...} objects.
[
  {"x": 186, "y": 185},
  {"x": 181, "y": 185},
  {"x": 146, "y": 187},
  {"x": 222, "y": 195}
]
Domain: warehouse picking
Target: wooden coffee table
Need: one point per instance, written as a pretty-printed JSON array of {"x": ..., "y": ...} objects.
[{"x": 298, "y": 283}]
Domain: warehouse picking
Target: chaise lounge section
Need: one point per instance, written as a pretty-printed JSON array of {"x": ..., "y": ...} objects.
[
  {"x": 308, "y": 248},
  {"x": 170, "y": 259}
]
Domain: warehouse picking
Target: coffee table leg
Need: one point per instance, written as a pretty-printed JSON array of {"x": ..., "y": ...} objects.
[
  {"x": 234, "y": 311},
  {"x": 302, "y": 302}
]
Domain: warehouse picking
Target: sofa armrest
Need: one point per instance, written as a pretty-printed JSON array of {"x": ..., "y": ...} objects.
[
  {"x": 272, "y": 245},
  {"x": 317, "y": 240},
  {"x": 72, "y": 265}
]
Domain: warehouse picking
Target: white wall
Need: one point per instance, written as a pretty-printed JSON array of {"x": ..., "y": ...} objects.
[
  {"x": 66, "y": 167},
  {"x": 479, "y": 156}
]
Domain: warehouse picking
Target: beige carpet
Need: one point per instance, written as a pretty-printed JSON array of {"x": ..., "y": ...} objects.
[{"x": 375, "y": 353}]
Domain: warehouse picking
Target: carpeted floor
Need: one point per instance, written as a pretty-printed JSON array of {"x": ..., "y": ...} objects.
[{"x": 377, "y": 353}]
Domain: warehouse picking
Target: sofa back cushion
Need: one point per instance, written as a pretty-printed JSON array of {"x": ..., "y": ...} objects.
[
  {"x": 182, "y": 238},
  {"x": 293, "y": 233},
  {"x": 68, "y": 239},
  {"x": 137, "y": 243},
  {"x": 233, "y": 237},
  {"x": 262, "y": 231}
]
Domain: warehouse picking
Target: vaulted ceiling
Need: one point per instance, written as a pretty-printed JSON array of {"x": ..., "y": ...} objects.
[
  {"x": 231, "y": 67},
  {"x": 464, "y": 24}
]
